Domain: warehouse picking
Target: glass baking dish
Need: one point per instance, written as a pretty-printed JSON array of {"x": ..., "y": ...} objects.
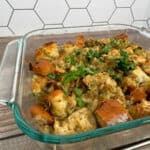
[{"x": 19, "y": 88}]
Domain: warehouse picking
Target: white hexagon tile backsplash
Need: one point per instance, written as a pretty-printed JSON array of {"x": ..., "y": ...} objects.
[
  {"x": 23, "y": 21},
  {"x": 18, "y": 17},
  {"x": 52, "y": 12}
]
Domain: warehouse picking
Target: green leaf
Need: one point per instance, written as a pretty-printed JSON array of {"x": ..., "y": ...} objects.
[
  {"x": 77, "y": 51},
  {"x": 91, "y": 54},
  {"x": 119, "y": 43},
  {"x": 81, "y": 71},
  {"x": 78, "y": 91},
  {"x": 80, "y": 101},
  {"x": 106, "y": 49},
  {"x": 124, "y": 63},
  {"x": 52, "y": 76},
  {"x": 115, "y": 75},
  {"x": 124, "y": 54},
  {"x": 71, "y": 59},
  {"x": 137, "y": 48}
]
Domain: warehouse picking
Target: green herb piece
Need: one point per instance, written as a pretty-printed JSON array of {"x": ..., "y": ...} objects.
[
  {"x": 81, "y": 71},
  {"x": 115, "y": 75},
  {"x": 91, "y": 43},
  {"x": 91, "y": 54},
  {"x": 106, "y": 49},
  {"x": 78, "y": 91},
  {"x": 52, "y": 76},
  {"x": 80, "y": 101},
  {"x": 137, "y": 48},
  {"x": 77, "y": 51},
  {"x": 124, "y": 54},
  {"x": 119, "y": 43},
  {"x": 116, "y": 43},
  {"x": 101, "y": 45},
  {"x": 71, "y": 59},
  {"x": 124, "y": 63}
]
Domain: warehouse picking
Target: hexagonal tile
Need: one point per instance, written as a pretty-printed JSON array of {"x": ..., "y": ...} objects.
[
  {"x": 124, "y": 3},
  {"x": 78, "y": 3},
  {"x": 78, "y": 17},
  {"x": 122, "y": 15},
  {"x": 19, "y": 4},
  {"x": 140, "y": 24},
  {"x": 24, "y": 21},
  {"x": 5, "y": 13},
  {"x": 101, "y": 11},
  {"x": 4, "y": 31},
  {"x": 52, "y": 12},
  {"x": 141, "y": 9}
]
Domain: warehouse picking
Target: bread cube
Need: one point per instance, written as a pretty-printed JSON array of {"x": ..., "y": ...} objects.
[{"x": 111, "y": 112}]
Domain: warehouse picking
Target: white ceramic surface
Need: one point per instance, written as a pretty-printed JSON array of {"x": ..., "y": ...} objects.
[{"x": 18, "y": 17}]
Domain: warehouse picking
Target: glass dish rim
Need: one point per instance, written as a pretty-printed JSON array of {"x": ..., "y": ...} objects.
[{"x": 66, "y": 139}]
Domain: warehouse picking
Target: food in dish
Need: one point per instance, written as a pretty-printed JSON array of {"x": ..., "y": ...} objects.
[{"x": 89, "y": 84}]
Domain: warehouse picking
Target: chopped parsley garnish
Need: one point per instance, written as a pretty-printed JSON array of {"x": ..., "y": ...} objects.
[
  {"x": 71, "y": 59},
  {"x": 106, "y": 49},
  {"x": 77, "y": 51},
  {"x": 137, "y": 48},
  {"x": 116, "y": 43},
  {"x": 81, "y": 71},
  {"x": 119, "y": 43},
  {"x": 91, "y": 54},
  {"x": 52, "y": 76},
  {"x": 80, "y": 101},
  {"x": 124, "y": 63},
  {"x": 78, "y": 92},
  {"x": 116, "y": 75}
]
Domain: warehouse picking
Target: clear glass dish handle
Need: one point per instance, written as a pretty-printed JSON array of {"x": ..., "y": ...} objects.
[{"x": 9, "y": 69}]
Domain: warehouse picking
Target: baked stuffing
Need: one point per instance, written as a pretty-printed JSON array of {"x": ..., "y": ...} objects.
[{"x": 89, "y": 84}]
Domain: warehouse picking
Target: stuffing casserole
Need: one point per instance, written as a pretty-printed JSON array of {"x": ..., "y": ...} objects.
[{"x": 89, "y": 84}]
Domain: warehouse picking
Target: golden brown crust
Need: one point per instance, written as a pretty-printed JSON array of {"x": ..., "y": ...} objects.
[
  {"x": 38, "y": 112},
  {"x": 138, "y": 94},
  {"x": 54, "y": 94},
  {"x": 80, "y": 41},
  {"x": 43, "y": 67},
  {"x": 111, "y": 112},
  {"x": 129, "y": 50},
  {"x": 58, "y": 103},
  {"x": 140, "y": 110},
  {"x": 38, "y": 83},
  {"x": 146, "y": 67},
  {"x": 68, "y": 48},
  {"x": 47, "y": 51},
  {"x": 123, "y": 36}
]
